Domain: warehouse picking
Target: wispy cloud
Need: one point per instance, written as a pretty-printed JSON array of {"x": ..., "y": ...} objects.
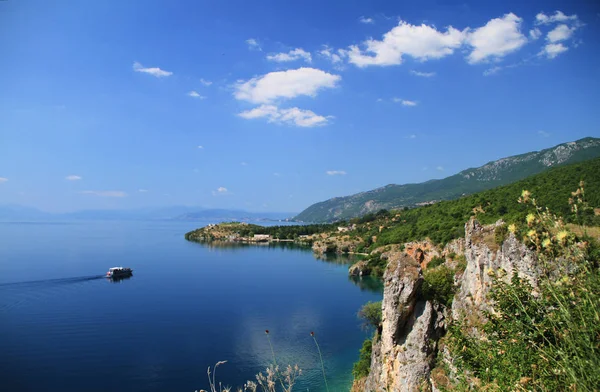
[
  {"x": 142, "y": 190},
  {"x": 154, "y": 71},
  {"x": 492, "y": 71},
  {"x": 243, "y": 164},
  {"x": 253, "y": 44},
  {"x": 404, "y": 102},
  {"x": 558, "y": 16},
  {"x": 73, "y": 177},
  {"x": 332, "y": 55},
  {"x": 422, "y": 74},
  {"x": 335, "y": 173},
  {"x": 3, "y": 180},
  {"x": 105, "y": 193},
  {"x": 553, "y": 50},
  {"x": 366, "y": 20},
  {"x": 292, "y": 55},
  {"x": 289, "y": 116},
  {"x": 221, "y": 191},
  {"x": 440, "y": 168},
  {"x": 413, "y": 136},
  {"x": 194, "y": 94},
  {"x": 201, "y": 147},
  {"x": 277, "y": 174},
  {"x": 206, "y": 82},
  {"x": 543, "y": 133}
]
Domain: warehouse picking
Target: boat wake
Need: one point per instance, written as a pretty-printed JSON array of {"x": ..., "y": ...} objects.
[{"x": 50, "y": 282}]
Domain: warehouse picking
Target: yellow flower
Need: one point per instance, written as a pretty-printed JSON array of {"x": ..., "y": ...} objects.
[
  {"x": 562, "y": 235},
  {"x": 530, "y": 219},
  {"x": 546, "y": 243},
  {"x": 525, "y": 195},
  {"x": 531, "y": 234},
  {"x": 512, "y": 228}
]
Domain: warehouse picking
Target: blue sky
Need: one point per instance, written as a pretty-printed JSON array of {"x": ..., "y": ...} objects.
[{"x": 104, "y": 104}]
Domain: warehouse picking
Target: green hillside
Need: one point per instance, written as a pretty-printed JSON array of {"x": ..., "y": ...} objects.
[
  {"x": 501, "y": 172},
  {"x": 444, "y": 221}
]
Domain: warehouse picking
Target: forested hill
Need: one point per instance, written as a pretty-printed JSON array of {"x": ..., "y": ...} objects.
[{"x": 501, "y": 172}]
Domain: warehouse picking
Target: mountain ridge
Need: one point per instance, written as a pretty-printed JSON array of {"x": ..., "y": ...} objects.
[{"x": 471, "y": 180}]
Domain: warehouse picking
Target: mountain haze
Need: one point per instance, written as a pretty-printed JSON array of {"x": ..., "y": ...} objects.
[{"x": 496, "y": 173}]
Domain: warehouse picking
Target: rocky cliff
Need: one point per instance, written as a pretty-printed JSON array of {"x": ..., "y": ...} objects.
[{"x": 406, "y": 345}]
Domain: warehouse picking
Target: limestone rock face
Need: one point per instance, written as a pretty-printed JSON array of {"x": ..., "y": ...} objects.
[
  {"x": 358, "y": 269},
  {"x": 485, "y": 257},
  {"x": 402, "y": 356}
]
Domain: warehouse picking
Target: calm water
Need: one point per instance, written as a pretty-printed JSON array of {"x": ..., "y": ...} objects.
[{"x": 62, "y": 327}]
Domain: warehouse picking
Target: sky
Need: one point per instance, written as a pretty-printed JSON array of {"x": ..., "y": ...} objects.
[{"x": 275, "y": 105}]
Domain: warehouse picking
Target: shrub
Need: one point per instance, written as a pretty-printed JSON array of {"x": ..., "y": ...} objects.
[
  {"x": 438, "y": 285},
  {"x": 362, "y": 367},
  {"x": 370, "y": 313},
  {"x": 435, "y": 262},
  {"x": 500, "y": 234}
]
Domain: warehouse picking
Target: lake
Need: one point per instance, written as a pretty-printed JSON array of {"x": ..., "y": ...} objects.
[{"x": 64, "y": 327}]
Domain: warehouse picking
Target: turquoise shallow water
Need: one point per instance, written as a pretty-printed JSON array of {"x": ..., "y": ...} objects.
[{"x": 65, "y": 328}]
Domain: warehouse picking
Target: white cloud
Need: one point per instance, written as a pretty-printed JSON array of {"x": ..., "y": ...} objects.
[
  {"x": 290, "y": 116},
  {"x": 364, "y": 20},
  {"x": 422, "y": 74},
  {"x": 292, "y": 55},
  {"x": 335, "y": 173},
  {"x": 73, "y": 177},
  {"x": 404, "y": 102},
  {"x": 535, "y": 33},
  {"x": 543, "y": 133},
  {"x": 440, "y": 168},
  {"x": 499, "y": 37},
  {"x": 201, "y": 147},
  {"x": 421, "y": 42},
  {"x": 285, "y": 84},
  {"x": 553, "y": 50},
  {"x": 561, "y": 32},
  {"x": 142, "y": 190},
  {"x": 221, "y": 191},
  {"x": 492, "y": 71},
  {"x": 379, "y": 100},
  {"x": 195, "y": 94},
  {"x": 3, "y": 179},
  {"x": 253, "y": 44},
  {"x": 558, "y": 16},
  {"x": 413, "y": 136},
  {"x": 105, "y": 193},
  {"x": 205, "y": 82},
  {"x": 155, "y": 71},
  {"x": 243, "y": 164},
  {"x": 331, "y": 55}
]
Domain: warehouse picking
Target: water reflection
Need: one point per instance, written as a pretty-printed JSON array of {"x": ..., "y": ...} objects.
[
  {"x": 241, "y": 246},
  {"x": 367, "y": 283},
  {"x": 118, "y": 279}
]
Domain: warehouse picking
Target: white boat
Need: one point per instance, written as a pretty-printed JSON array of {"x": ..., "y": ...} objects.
[{"x": 118, "y": 272}]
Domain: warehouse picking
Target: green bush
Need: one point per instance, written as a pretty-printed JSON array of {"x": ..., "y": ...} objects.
[
  {"x": 435, "y": 262},
  {"x": 370, "y": 313},
  {"x": 438, "y": 285},
  {"x": 362, "y": 367},
  {"x": 500, "y": 234}
]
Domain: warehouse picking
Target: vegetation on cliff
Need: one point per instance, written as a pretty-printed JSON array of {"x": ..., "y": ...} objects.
[{"x": 547, "y": 338}]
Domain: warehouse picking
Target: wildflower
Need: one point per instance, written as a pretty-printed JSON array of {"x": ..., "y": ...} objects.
[
  {"x": 312, "y": 334},
  {"x": 562, "y": 235},
  {"x": 530, "y": 219},
  {"x": 532, "y": 234},
  {"x": 546, "y": 243},
  {"x": 525, "y": 195},
  {"x": 512, "y": 228}
]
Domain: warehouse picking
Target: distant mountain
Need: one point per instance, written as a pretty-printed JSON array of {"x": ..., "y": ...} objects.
[
  {"x": 20, "y": 213},
  {"x": 501, "y": 172}
]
